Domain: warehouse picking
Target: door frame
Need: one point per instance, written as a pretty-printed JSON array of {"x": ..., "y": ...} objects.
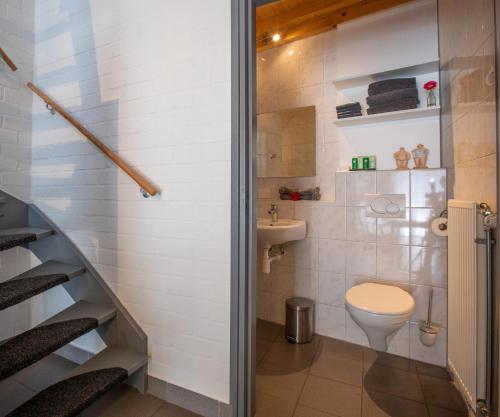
[{"x": 243, "y": 232}]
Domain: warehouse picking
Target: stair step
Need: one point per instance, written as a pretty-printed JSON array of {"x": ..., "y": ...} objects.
[
  {"x": 35, "y": 281},
  {"x": 113, "y": 357},
  {"x": 31, "y": 346},
  {"x": 83, "y": 309},
  {"x": 71, "y": 396},
  {"x": 10, "y": 238}
]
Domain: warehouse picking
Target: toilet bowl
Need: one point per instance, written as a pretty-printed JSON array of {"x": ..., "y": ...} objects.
[{"x": 380, "y": 310}]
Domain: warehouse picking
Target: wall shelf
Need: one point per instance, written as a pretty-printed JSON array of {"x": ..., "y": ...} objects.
[
  {"x": 408, "y": 71},
  {"x": 390, "y": 116}
]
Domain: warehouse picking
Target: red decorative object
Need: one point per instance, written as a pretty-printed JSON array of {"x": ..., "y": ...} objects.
[
  {"x": 295, "y": 196},
  {"x": 430, "y": 85}
]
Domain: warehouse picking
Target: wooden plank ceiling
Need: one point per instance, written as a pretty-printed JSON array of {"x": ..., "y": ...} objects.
[{"x": 297, "y": 19}]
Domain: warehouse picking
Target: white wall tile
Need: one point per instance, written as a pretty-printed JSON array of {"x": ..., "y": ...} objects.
[
  {"x": 421, "y": 233},
  {"x": 395, "y": 231},
  {"x": 428, "y": 188},
  {"x": 362, "y": 259},
  {"x": 332, "y": 256},
  {"x": 354, "y": 333},
  {"x": 340, "y": 188},
  {"x": 394, "y": 182},
  {"x": 429, "y": 266},
  {"x": 439, "y": 304},
  {"x": 393, "y": 263},
  {"x": 399, "y": 342},
  {"x": 332, "y": 219},
  {"x": 361, "y": 228},
  {"x": 331, "y": 321},
  {"x": 359, "y": 184},
  {"x": 332, "y": 289}
]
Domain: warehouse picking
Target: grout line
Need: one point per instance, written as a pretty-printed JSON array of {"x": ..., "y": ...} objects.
[{"x": 423, "y": 394}]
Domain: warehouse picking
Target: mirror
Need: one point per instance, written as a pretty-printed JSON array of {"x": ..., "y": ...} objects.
[{"x": 286, "y": 143}]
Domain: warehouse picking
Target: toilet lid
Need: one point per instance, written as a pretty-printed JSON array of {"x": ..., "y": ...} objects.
[{"x": 380, "y": 299}]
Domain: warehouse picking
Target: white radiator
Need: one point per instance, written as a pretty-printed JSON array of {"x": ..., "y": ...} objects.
[{"x": 466, "y": 300}]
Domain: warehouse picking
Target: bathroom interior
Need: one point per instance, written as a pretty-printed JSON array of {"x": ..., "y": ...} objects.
[{"x": 373, "y": 129}]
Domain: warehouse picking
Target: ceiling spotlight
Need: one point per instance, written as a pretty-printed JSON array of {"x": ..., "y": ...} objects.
[
  {"x": 291, "y": 52},
  {"x": 276, "y": 37}
]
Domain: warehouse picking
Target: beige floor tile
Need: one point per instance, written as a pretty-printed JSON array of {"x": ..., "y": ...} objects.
[
  {"x": 393, "y": 381},
  {"x": 372, "y": 357},
  {"x": 441, "y": 393},
  {"x": 261, "y": 348},
  {"x": 124, "y": 401},
  {"x": 331, "y": 397},
  {"x": 280, "y": 382},
  {"x": 267, "y": 330},
  {"x": 341, "y": 348},
  {"x": 170, "y": 410},
  {"x": 338, "y": 368},
  {"x": 302, "y": 411},
  {"x": 269, "y": 406},
  {"x": 291, "y": 356},
  {"x": 376, "y": 404},
  {"x": 441, "y": 412},
  {"x": 432, "y": 370}
]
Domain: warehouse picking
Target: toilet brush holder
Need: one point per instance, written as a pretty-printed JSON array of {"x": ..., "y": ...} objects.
[{"x": 428, "y": 332}]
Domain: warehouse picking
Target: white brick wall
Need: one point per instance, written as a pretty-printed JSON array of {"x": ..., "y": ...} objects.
[
  {"x": 16, "y": 38},
  {"x": 152, "y": 79}
]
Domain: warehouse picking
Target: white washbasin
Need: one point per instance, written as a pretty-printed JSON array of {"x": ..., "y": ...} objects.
[{"x": 282, "y": 231}]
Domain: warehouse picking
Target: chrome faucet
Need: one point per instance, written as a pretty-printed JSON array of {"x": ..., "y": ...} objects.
[{"x": 273, "y": 211}]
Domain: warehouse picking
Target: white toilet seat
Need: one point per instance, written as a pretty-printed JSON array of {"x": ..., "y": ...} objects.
[
  {"x": 380, "y": 310},
  {"x": 380, "y": 299}
]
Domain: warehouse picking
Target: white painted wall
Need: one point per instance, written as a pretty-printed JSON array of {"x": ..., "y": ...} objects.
[
  {"x": 16, "y": 38},
  {"x": 398, "y": 37},
  {"x": 152, "y": 80}
]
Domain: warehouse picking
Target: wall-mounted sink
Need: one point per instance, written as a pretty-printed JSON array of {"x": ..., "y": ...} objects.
[{"x": 275, "y": 233}]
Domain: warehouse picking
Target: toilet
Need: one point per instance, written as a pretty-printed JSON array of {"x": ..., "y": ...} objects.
[{"x": 380, "y": 310}]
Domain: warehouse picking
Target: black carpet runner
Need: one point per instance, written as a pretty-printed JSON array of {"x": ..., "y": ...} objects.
[
  {"x": 14, "y": 291},
  {"x": 31, "y": 346},
  {"x": 11, "y": 241},
  {"x": 70, "y": 397}
]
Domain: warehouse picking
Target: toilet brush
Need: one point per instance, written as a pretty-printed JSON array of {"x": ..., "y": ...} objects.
[{"x": 428, "y": 330}]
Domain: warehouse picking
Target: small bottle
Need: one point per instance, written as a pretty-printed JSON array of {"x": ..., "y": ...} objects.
[
  {"x": 355, "y": 165},
  {"x": 373, "y": 162},
  {"x": 360, "y": 162},
  {"x": 366, "y": 163}
]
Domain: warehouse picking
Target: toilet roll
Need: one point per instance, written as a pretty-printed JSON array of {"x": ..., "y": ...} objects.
[{"x": 436, "y": 229}]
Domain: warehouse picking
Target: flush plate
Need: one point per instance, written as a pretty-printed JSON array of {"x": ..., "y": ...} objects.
[{"x": 386, "y": 205}]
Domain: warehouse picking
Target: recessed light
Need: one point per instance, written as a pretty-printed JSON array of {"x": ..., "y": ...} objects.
[
  {"x": 276, "y": 37},
  {"x": 291, "y": 52}
]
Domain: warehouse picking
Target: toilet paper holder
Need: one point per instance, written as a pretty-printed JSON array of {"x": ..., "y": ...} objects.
[{"x": 444, "y": 215}]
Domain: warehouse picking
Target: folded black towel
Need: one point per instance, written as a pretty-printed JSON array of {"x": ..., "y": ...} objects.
[
  {"x": 385, "y": 86},
  {"x": 391, "y": 96},
  {"x": 349, "y": 106},
  {"x": 403, "y": 104},
  {"x": 345, "y": 116},
  {"x": 340, "y": 113}
]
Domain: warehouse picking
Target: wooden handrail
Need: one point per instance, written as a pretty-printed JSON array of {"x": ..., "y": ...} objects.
[
  {"x": 145, "y": 185},
  {"x": 7, "y": 60}
]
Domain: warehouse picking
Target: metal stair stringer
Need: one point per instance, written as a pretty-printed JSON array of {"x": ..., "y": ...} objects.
[{"x": 123, "y": 331}]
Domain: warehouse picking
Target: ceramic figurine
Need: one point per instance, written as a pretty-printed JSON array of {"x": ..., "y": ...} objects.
[
  {"x": 420, "y": 155},
  {"x": 402, "y": 157}
]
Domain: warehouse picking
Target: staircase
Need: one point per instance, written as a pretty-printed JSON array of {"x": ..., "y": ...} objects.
[{"x": 124, "y": 360}]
